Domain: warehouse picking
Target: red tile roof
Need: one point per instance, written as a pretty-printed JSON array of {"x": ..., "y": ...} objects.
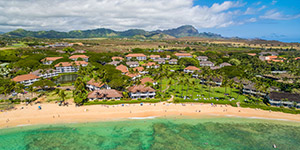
[
  {"x": 136, "y": 55},
  {"x": 138, "y": 68},
  {"x": 94, "y": 83},
  {"x": 78, "y": 56},
  {"x": 145, "y": 80},
  {"x": 114, "y": 58},
  {"x": 122, "y": 68},
  {"x": 25, "y": 77},
  {"x": 109, "y": 93},
  {"x": 156, "y": 56},
  {"x": 191, "y": 68},
  {"x": 51, "y": 58},
  {"x": 140, "y": 88},
  {"x": 182, "y": 54},
  {"x": 131, "y": 75},
  {"x": 66, "y": 64},
  {"x": 150, "y": 64}
]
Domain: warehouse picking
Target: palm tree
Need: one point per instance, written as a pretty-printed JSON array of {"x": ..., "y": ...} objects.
[
  {"x": 187, "y": 82},
  {"x": 62, "y": 95},
  {"x": 193, "y": 84}
]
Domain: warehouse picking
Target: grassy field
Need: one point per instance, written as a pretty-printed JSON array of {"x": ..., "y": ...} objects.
[
  {"x": 200, "y": 91},
  {"x": 50, "y": 97}
]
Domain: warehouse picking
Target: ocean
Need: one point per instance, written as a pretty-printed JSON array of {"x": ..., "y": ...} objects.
[{"x": 156, "y": 133}]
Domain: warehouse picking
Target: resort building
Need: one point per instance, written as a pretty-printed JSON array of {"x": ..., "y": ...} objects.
[
  {"x": 133, "y": 76},
  {"x": 202, "y": 58},
  {"x": 45, "y": 73},
  {"x": 190, "y": 69},
  {"x": 139, "y": 57},
  {"x": 250, "y": 89},
  {"x": 66, "y": 67},
  {"x": 206, "y": 64},
  {"x": 105, "y": 94},
  {"x": 225, "y": 64},
  {"x": 173, "y": 62},
  {"x": 115, "y": 63},
  {"x": 117, "y": 58},
  {"x": 151, "y": 65},
  {"x": 50, "y": 60},
  {"x": 141, "y": 91},
  {"x": 79, "y": 52},
  {"x": 271, "y": 58},
  {"x": 168, "y": 57},
  {"x": 153, "y": 57},
  {"x": 26, "y": 79},
  {"x": 76, "y": 57},
  {"x": 183, "y": 55},
  {"x": 160, "y": 61},
  {"x": 93, "y": 85},
  {"x": 122, "y": 68},
  {"x": 141, "y": 70},
  {"x": 284, "y": 99},
  {"x": 147, "y": 79},
  {"x": 268, "y": 53},
  {"x": 213, "y": 81},
  {"x": 132, "y": 64}
]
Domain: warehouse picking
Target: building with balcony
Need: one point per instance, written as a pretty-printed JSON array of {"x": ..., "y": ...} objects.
[
  {"x": 66, "y": 67},
  {"x": 93, "y": 85},
  {"x": 26, "y": 79},
  {"x": 141, "y": 91},
  {"x": 139, "y": 56},
  {"x": 284, "y": 99},
  {"x": 45, "y": 73},
  {"x": 50, "y": 60},
  {"x": 76, "y": 57},
  {"x": 105, "y": 94}
]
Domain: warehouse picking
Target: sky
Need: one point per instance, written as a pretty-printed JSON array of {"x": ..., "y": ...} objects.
[{"x": 266, "y": 19}]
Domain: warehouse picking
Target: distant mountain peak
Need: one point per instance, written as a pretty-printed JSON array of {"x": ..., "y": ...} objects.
[{"x": 182, "y": 31}]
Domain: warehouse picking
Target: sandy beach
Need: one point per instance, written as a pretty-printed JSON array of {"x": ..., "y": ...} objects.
[{"x": 54, "y": 114}]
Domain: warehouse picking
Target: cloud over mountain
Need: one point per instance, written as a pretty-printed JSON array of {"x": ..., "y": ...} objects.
[{"x": 115, "y": 14}]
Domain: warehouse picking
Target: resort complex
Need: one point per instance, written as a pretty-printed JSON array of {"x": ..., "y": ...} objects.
[{"x": 245, "y": 79}]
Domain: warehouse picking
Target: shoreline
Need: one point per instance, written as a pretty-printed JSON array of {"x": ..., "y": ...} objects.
[{"x": 54, "y": 114}]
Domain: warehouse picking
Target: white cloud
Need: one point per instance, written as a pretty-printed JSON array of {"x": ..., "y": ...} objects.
[
  {"x": 65, "y": 15},
  {"x": 114, "y": 14},
  {"x": 275, "y": 15},
  {"x": 251, "y": 11}
]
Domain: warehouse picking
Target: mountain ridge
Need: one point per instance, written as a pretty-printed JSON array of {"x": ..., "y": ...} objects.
[{"x": 182, "y": 31}]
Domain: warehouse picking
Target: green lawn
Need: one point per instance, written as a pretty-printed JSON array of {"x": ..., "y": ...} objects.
[
  {"x": 201, "y": 92},
  {"x": 54, "y": 97}
]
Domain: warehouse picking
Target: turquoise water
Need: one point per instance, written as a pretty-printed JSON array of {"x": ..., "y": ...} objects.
[{"x": 162, "y": 134}]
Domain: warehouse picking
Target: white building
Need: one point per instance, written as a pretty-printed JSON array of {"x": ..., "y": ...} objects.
[
  {"x": 160, "y": 61},
  {"x": 202, "y": 58},
  {"x": 183, "y": 55},
  {"x": 173, "y": 62},
  {"x": 76, "y": 57},
  {"x": 132, "y": 64},
  {"x": 45, "y": 73},
  {"x": 50, "y": 60},
  {"x": 206, "y": 64},
  {"x": 26, "y": 79},
  {"x": 191, "y": 69},
  {"x": 139, "y": 57},
  {"x": 93, "y": 85},
  {"x": 105, "y": 94},
  {"x": 153, "y": 57},
  {"x": 66, "y": 67},
  {"x": 141, "y": 91}
]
